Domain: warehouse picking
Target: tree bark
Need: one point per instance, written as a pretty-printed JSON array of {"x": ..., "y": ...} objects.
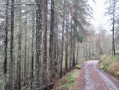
[
  {"x": 6, "y": 38},
  {"x": 44, "y": 26},
  {"x": 6, "y": 45},
  {"x": 71, "y": 58},
  {"x": 113, "y": 30},
  {"x": 50, "y": 63},
  {"x": 19, "y": 47},
  {"x": 11, "y": 79},
  {"x": 66, "y": 50},
  {"x": 62, "y": 48},
  {"x": 38, "y": 42},
  {"x": 32, "y": 49},
  {"x": 25, "y": 48}
]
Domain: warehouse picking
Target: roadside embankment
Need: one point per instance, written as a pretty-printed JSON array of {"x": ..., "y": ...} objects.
[
  {"x": 110, "y": 64},
  {"x": 68, "y": 81}
]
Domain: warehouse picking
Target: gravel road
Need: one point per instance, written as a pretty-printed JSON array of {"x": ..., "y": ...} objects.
[{"x": 92, "y": 78}]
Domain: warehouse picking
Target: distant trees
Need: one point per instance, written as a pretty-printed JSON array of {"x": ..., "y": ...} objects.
[{"x": 112, "y": 11}]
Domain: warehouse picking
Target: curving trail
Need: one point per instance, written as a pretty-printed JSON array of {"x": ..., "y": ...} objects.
[{"x": 92, "y": 78}]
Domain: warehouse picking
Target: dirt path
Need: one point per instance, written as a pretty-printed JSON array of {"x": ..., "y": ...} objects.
[{"x": 92, "y": 78}]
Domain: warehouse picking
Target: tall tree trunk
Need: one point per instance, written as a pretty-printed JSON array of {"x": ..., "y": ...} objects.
[
  {"x": 44, "y": 26},
  {"x": 38, "y": 42},
  {"x": 32, "y": 49},
  {"x": 113, "y": 30},
  {"x": 6, "y": 45},
  {"x": 25, "y": 56},
  {"x": 11, "y": 79},
  {"x": 66, "y": 50},
  {"x": 55, "y": 46},
  {"x": 71, "y": 58},
  {"x": 50, "y": 63},
  {"x": 6, "y": 38},
  {"x": 74, "y": 62},
  {"x": 62, "y": 48},
  {"x": 19, "y": 47},
  {"x": 77, "y": 56}
]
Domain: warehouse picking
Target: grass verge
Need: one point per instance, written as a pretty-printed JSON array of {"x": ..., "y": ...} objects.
[{"x": 68, "y": 81}]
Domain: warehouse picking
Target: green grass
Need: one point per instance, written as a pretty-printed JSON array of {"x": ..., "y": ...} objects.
[
  {"x": 69, "y": 80},
  {"x": 106, "y": 61}
]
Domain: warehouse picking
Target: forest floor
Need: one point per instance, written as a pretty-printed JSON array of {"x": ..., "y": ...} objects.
[{"x": 92, "y": 78}]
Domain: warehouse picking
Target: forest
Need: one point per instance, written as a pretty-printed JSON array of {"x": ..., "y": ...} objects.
[{"x": 42, "y": 40}]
